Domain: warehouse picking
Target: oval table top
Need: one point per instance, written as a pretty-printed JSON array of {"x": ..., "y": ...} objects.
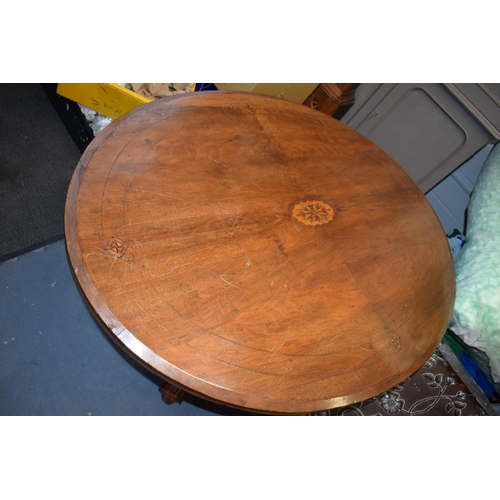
[{"x": 258, "y": 253}]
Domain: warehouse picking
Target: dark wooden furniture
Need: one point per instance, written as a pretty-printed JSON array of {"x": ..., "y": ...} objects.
[
  {"x": 258, "y": 253},
  {"x": 334, "y": 99}
]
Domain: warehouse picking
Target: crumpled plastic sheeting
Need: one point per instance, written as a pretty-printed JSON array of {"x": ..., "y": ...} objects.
[
  {"x": 95, "y": 120},
  {"x": 476, "y": 315},
  {"x": 100, "y": 122}
]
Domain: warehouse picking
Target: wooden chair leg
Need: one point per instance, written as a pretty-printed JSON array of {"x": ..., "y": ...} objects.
[{"x": 172, "y": 394}]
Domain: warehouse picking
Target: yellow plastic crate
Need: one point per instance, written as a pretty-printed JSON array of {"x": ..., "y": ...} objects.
[{"x": 109, "y": 99}]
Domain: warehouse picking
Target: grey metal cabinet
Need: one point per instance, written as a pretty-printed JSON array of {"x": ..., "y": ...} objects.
[{"x": 429, "y": 129}]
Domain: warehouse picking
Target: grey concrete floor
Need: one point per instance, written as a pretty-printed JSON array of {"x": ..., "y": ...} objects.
[{"x": 56, "y": 360}]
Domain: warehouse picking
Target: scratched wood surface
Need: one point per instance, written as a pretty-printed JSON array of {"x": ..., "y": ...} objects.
[{"x": 258, "y": 253}]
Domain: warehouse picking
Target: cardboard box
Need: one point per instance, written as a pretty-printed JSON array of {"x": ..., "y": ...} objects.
[{"x": 296, "y": 92}]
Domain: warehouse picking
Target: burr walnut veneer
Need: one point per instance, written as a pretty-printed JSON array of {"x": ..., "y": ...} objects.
[{"x": 257, "y": 253}]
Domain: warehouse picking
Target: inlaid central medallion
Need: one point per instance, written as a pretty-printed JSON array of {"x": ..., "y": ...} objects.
[{"x": 312, "y": 212}]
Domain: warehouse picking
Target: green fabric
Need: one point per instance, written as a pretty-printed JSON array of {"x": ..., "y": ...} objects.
[{"x": 476, "y": 316}]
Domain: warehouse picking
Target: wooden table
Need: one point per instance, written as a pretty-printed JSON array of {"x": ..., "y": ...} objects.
[{"x": 258, "y": 253}]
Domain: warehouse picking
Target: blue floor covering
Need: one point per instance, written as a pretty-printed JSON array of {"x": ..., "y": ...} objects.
[{"x": 56, "y": 360}]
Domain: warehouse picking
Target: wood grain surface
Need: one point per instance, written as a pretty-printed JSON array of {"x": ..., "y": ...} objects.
[{"x": 257, "y": 252}]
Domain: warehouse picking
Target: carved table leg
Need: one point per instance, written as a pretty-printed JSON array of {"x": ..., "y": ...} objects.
[{"x": 172, "y": 394}]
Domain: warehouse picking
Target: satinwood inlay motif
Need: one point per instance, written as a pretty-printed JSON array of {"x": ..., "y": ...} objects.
[
  {"x": 116, "y": 247},
  {"x": 313, "y": 212}
]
